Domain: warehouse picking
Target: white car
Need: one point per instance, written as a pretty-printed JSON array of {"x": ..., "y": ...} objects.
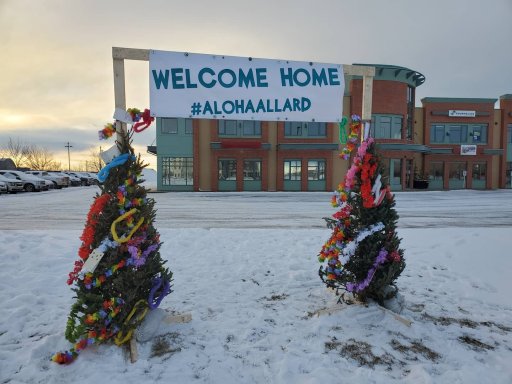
[
  {"x": 57, "y": 181},
  {"x": 31, "y": 183},
  {"x": 3, "y": 187},
  {"x": 13, "y": 185}
]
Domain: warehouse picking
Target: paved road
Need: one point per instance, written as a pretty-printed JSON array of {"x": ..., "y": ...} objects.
[{"x": 67, "y": 209}]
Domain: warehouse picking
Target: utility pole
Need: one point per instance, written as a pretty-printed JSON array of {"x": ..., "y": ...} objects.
[{"x": 69, "y": 158}]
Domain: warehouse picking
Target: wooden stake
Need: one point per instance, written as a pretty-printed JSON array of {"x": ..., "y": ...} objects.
[
  {"x": 177, "y": 319},
  {"x": 330, "y": 311},
  {"x": 134, "y": 355},
  {"x": 169, "y": 319}
]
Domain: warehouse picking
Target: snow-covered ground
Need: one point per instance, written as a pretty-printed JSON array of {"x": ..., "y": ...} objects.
[{"x": 245, "y": 266}]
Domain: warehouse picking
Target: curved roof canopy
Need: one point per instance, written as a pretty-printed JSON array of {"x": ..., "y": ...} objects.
[{"x": 396, "y": 73}]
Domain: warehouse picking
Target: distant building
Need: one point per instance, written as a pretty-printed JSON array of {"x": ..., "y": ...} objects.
[
  {"x": 457, "y": 142},
  {"x": 6, "y": 163}
]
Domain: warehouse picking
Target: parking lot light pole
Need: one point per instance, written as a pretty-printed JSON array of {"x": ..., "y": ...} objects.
[{"x": 69, "y": 158}]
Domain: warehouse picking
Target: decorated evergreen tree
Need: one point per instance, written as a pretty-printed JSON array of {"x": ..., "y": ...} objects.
[
  {"x": 120, "y": 274},
  {"x": 362, "y": 256}
]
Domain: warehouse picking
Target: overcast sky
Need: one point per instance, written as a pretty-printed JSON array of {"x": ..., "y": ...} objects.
[{"x": 56, "y": 63}]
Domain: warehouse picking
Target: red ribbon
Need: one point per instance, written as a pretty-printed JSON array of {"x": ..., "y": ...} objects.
[{"x": 146, "y": 121}]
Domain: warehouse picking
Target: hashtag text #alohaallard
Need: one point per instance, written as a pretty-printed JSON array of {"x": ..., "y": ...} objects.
[{"x": 242, "y": 106}]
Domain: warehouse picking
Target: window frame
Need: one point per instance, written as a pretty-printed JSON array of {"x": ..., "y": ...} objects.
[
  {"x": 297, "y": 165},
  {"x": 167, "y": 170},
  {"x": 319, "y": 169}
]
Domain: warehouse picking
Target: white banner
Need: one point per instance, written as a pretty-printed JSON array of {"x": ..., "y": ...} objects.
[{"x": 243, "y": 88}]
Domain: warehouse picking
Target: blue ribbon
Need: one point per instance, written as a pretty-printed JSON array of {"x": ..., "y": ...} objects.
[{"x": 119, "y": 160}]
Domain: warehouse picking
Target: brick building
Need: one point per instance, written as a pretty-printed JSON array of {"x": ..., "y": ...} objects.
[{"x": 456, "y": 143}]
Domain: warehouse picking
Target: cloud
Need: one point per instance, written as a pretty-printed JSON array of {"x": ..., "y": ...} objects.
[{"x": 57, "y": 80}]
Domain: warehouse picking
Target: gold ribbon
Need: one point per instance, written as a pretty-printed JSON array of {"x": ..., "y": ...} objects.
[
  {"x": 124, "y": 239},
  {"x": 120, "y": 339}
]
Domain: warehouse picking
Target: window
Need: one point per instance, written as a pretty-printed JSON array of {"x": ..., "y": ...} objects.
[
  {"x": 252, "y": 169},
  {"x": 410, "y": 111},
  {"x": 301, "y": 129},
  {"x": 436, "y": 171},
  {"x": 293, "y": 128},
  {"x": 177, "y": 171},
  {"x": 251, "y": 128},
  {"x": 316, "y": 170},
  {"x": 188, "y": 126},
  {"x": 479, "y": 171},
  {"x": 227, "y": 169},
  {"x": 509, "y": 134},
  {"x": 458, "y": 133},
  {"x": 176, "y": 125},
  {"x": 437, "y": 134},
  {"x": 239, "y": 128},
  {"x": 227, "y": 128},
  {"x": 386, "y": 126},
  {"x": 292, "y": 170},
  {"x": 169, "y": 125},
  {"x": 456, "y": 170},
  {"x": 478, "y": 134},
  {"x": 317, "y": 129},
  {"x": 508, "y": 183},
  {"x": 395, "y": 165}
]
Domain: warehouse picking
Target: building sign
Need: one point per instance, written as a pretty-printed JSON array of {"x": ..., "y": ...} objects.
[
  {"x": 458, "y": 113},
  {"x": 468, "y": 150},
  {"x": 243, "y": 88}
]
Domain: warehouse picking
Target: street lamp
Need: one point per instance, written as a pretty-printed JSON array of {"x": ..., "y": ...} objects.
[{"x": 69, "y": 158}]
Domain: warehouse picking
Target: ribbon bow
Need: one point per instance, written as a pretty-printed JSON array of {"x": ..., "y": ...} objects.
[{"x": 146, "y": 118}]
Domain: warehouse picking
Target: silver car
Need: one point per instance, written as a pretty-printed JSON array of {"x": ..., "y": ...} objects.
[{"x": 12, "y": 185}]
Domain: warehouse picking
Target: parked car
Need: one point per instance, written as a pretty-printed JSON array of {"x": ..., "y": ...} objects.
[
  {"x": 73, "y": 180},
  {"x": 57, "y": 181},
  {"x": 13, "y": 185},
  {"x": 94, "y": 177},
  {"x": 84, "y": 180},
  {"x": 31, "y": 183},
  {"x": 3, "y": 187}
]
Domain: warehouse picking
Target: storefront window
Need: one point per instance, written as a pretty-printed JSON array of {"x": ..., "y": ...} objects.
[
  {"x": 177, "y": 171},
  {"x": 457, "y": 175},
  {"x": 479, "y": 175},
  {"x": 395, "y": 168},
  {"x": 509, "y": 175},
  {"x": 436, "y": 175},
  {"x": 252, "y": 169},
  {"x": 292, "y": 170},
  {"x": 316, "y": 169},
  {"x": 227, "y": 169}
]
